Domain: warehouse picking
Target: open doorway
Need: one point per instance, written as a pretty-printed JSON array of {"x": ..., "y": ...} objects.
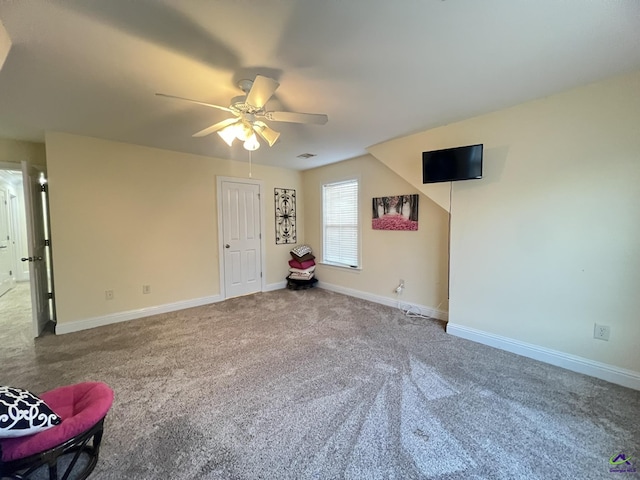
[
  {"x": 15, "y": 288},
  {"x": 26, "y": 281}
]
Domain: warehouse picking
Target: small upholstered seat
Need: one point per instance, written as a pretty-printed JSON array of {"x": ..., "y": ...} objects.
[{"x": 82, "y": 407}]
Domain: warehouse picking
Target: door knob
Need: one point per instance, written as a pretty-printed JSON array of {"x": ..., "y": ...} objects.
[
  {"x": 31, "y": 259},
  {"x": 227, "y": 246}
]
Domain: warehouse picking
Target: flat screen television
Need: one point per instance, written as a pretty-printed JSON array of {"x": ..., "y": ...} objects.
[{"x": 452, "y": 164}]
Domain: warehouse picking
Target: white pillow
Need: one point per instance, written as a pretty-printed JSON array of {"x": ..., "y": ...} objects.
[{"x": 23, "y": 413}]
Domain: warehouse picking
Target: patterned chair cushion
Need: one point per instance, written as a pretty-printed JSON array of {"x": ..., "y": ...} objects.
[{"x": 23, "y": 413}]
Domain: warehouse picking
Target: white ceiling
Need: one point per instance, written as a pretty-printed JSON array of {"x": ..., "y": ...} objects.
[{"x": 380, "y": 69}]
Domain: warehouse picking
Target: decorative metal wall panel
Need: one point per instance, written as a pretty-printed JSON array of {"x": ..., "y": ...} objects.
[{"x": 285, "y": 202}]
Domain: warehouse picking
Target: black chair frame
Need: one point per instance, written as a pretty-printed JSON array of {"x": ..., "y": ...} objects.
[{"x": 87, "y": 442}]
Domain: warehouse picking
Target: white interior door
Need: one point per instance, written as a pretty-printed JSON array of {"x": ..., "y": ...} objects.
[
  {"x": 6, "y": 250},
  {"x": 36, "y": 240},
  {"x": 241, "y": 238}
]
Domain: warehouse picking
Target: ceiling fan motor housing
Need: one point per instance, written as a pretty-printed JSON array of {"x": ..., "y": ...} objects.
[{"x": 240, "y": 106}]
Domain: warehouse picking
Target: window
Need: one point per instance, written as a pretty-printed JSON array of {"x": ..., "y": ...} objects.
[{"x": 340, "y": 223}]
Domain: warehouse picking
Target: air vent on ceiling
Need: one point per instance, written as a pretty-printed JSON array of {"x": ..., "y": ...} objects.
[{"x": 306, "y": 155}]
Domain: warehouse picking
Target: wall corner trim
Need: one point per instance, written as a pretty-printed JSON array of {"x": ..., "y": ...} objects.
[
  {"x": 390, "y": 302},
  {"x": 603, "y": 371},
  {"x": 78, "y": 325}
]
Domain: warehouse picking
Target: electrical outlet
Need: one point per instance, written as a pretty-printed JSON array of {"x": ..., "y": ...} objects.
[
  {"x": 146, "y": 289},
  {"x": 108, "y": 294},
  {"x": 601, "y": 332}
]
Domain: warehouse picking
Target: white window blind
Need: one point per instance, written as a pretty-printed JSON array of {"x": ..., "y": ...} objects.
[{"x": 340, "y": 223}]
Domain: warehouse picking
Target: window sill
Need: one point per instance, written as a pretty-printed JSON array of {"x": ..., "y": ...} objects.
[{"x": 341, "y": 267}]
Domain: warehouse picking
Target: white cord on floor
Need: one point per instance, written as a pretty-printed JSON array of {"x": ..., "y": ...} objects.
[{"x": 411, "y": 310}]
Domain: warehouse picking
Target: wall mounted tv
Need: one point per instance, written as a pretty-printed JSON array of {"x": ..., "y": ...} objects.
[{"x": 452, "y": 164}]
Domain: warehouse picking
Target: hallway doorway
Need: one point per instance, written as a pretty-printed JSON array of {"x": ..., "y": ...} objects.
[{"x": 17, "y": 263}]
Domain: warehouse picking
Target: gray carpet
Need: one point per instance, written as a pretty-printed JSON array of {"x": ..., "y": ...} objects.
[
  {"x": 16, "y": 330},
  {"x": 317, "y": 385}
]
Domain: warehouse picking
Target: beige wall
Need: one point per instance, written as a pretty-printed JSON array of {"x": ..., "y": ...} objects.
[
  {"x": 546, "y": 244},
  {"x": 125, "y": 215},
  {"x": 419, "y": 257},
  {"x": 15, "y": 151}
]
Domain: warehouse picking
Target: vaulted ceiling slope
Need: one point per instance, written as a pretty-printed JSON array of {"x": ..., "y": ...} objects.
[{"x": 378, "y": 69}]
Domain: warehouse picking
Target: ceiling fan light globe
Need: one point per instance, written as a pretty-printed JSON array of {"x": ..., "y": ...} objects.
[
  {"x": 252, "y": 143},
  {"x": 268, "y": 134},
  {"x": 228, "y": 134},
  {"x": 244, "y": 132},
  {"x": 271, "y": 136}
]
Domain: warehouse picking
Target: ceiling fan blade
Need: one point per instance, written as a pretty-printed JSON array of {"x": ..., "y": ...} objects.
[
  {"x": 261, "y": 91},
  {"x": 215, "y": 128},
  {"x": 293, "y": 117},
  {"x": 268, "y": 134},
  {"x": 226, "y": 109}
]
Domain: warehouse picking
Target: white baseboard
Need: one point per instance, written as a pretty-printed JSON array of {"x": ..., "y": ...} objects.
[
  {"x": 69, "y": 327},
  {"x": 610, "y": 373},
  {"x": 78, "y": 325},
  {"x": 390, "y": 302},
  {"x": 275, "y": 286}
]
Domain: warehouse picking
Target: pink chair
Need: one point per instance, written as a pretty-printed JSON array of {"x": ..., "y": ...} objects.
[{"x": 82, "y": 408}]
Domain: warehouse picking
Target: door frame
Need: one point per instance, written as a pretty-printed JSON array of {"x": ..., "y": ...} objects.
[{"x": 249, "y": 181}]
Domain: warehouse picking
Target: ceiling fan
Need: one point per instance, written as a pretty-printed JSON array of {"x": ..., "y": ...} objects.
[{"x": 249, "y": 112}]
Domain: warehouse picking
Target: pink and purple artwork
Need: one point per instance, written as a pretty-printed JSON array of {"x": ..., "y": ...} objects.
[{"x": 399, "y": 212}]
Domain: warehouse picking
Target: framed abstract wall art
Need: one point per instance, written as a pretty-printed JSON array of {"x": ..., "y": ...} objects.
[
  {"x": 285, "y": 203},
  {"x": 399, "y": 212}
]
